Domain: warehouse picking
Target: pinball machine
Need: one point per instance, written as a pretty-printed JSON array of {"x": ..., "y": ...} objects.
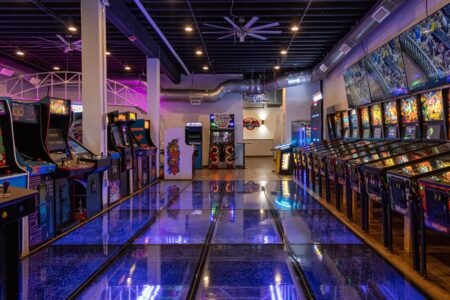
[
  {"x": 345, "y": 125},
  {"x": 365, "y": 122},
  {"x": 376, "y": 124},
  {"x": 119, "y": 178},
  {"x": 404, "y": 191},
  {"x": 69, "y": 207},
  {"x": 338, "y": 124},
  {"x": 355, "y": 124},
  {"x": 391, "y": 120},
  {"x": 32, "y": 156}
]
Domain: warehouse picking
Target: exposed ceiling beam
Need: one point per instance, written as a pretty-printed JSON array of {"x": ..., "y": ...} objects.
[{"x": 124, "y": 20}]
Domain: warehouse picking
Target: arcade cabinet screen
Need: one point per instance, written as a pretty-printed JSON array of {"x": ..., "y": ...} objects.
[
  {"x": 3, "y": 161},
  {"x": 390, "y": 113},
  {"x": 24, "y": 113},
  {"x": 432, "y": 106},
  {"x": 429, "y": 38},
  {"x": 116, "y": 135},
  {"x": 78, "y": 149},
  {"x": 2, "y": 109},
  {"x": 408, "y": 108},
  {"x": 55, "y": 140},
  {"x": 221, "y": 137},
  {"x": 356, "y": 84},
  {"x": 58, "y": 107},
  {"x": 386, "y": 71},
  {"x": 345, "y": 119},
  {"x": 376, "y": 114}
]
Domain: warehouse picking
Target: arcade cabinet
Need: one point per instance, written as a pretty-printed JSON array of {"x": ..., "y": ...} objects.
[
  {"x": 119, "y": 175},
  {"x": 15, "y": 204},
  {"x": 10, "y": 170},
  {"x": 285, "y": 159},
  {"x": 146, "y": 152},
  {"x": 55, "y": 122},
  {"x": 194, "y": 131},
  {"x": 125, "y": 119},
  {"x": 154, "y": 153},
  {"x": 32, "y": 156},
  {"x": 391, "y": 126},
  {"x": 376, "y": 125},
  {"x": 92, "y": 184},
  {"x": 331, "y": 126},
  {"x": 222, "y": 148},
  {"x": 338, "y": 124}
]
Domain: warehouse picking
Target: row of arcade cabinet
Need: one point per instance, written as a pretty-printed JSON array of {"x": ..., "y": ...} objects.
[
  {"x": 36, "y": 152},
  {"x": 392, "y": 157}
]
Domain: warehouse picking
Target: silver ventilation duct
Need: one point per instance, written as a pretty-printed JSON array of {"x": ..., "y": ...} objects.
[
  {"x": 367, "y": 24},
  {"x": 235, "y": 86}
]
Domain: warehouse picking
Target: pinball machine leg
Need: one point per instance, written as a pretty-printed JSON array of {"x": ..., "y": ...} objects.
[
  {"x": 423, "y": 244},
  {"x": 385, "y": 219},
  {"x": 320, "y": 183},
  {"x": 313, "y": 180},
  {"x": 413, "y": 234},
  {"x": 348, "y": 190},
  {"x": 338, "y": 193},
  {"x": 307, "y": 177},
  {"x": 327, "y": 187}
]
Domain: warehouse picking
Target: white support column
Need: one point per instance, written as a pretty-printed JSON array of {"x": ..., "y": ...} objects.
[
  {"x": 93, "y": 34},
  {"x": 153, "y": 101}
]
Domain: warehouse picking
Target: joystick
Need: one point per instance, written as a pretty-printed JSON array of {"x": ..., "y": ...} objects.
[{"x": 5, "y": 186}]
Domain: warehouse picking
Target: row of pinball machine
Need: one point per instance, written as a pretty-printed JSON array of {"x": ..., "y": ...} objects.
[
  {"x": 393, "y": 156},
  {"x": 38, "y": 152}
]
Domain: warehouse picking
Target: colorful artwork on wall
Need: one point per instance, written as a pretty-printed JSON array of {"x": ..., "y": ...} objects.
[
  {"x": 251, "y": 123},
  {"x": 173, "y": 159}
]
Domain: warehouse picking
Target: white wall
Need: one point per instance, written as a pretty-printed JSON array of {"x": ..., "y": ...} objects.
[
  {"x": 298, "y": 105},
  {"x": 265, "y": 137},
  {"x": 412, "y": 12}
]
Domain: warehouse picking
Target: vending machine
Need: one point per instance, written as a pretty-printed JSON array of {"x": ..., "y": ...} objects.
[
  {"x": 221, "y": 149},
  {"x": 194, "y": 131}
]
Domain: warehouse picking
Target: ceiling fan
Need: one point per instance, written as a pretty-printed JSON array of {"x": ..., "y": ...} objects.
[
  {"x": 242, "y": 30},
  {"x": 64, "y": 43}
]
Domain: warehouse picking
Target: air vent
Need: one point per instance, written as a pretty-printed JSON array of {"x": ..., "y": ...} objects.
[
  {"x": 345, "y": 49},
  {"x": 380, "y": 14},
  {"x": 323, "y": 68},
  {"x": 6, "y": 72},
  {"x": 196, "y": 100}
]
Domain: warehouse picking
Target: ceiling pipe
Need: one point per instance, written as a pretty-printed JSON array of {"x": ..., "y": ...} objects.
[
  {"x": 366, "y": 25},
  {"x": 161, "y": 35},
  {"x": 235, "y": 86}
]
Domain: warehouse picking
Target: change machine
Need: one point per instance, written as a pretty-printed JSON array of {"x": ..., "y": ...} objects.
[
  {"x": 194, "y": 132},
  {"x": 32, "y": 156},
  {"x": 221, "y": 149}
]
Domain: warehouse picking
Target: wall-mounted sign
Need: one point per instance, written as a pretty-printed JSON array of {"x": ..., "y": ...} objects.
[{"x": 251, "y": 123}]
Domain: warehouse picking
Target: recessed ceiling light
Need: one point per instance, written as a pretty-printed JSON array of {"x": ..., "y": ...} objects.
[
  {"x": 199, "y": 52},
  {"x": 72, "y": 29},
  {"x": 283, "y": 51},
  {"x": 206, "y": 68},
  {"x": 277, "y": 67},
  {"x": 188, "y": 28},
  {"x": 108, "y": 53},
  {"x": 20, "y": 53},
  {"x": 294, "y": 28},
  {"x": 56, "y": 68},
  {"x": 127, "y": 68}
]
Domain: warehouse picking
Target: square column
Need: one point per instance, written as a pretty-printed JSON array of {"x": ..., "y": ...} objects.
[
  {"x": 94, "y": 97},
  {"x": 153, "y": 102}
]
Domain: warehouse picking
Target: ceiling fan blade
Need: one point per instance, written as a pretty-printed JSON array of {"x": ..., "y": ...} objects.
[
  {"x": 77, "y": 42},
  {"x": 266, "y": 31},
  {"x": 215, "y": 26},
  {"x": 264, "y": 26},
  {"x": 260, "y": 37},
  {"x": 219, "y": 32},
  {"x": 250, "y": 23},
  {"x": 232, "y": 23},
  {"x": 225, "y": 36},
  {"x": 49, "y": 41},
  {"x": 63, "y": 40}
]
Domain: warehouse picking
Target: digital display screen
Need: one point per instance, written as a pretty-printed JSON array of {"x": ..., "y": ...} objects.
[
  {"x": 132, "y": 116},
  {"x": 434, "y": 132},
  {"x": 390, "y": 113},
  {"x": 366, "y": 134},
  {"x": 147, "y": 124},
  {"x": 78, "y": 149},
  {"x": 222, "y": 137},
  {"x": 2, "y": 108},
  {"x": 56, "y": 140},
  {"x": 410, "y": 132},
  {"x": 386, "y": 71},
  {"x": 408, "y": 109},
  {"x": 425, "y": 51},
  {"x": 221, "y": 121},
  {"x": 116, "y": 135},
  {"x": 375, "y": 111},
  {"x": 377, "y": 133},
  {"x": 285, "y": 161},
  {"x": 24, "y": 112},
  {"x": 357, "y": 85},
  {"x": 316, "y": 121},
  {"x": 432, "y": 106},
  {"x": 3, "y": 160},
  {"x": 365, "y": 116},
  {"x": 125, "y": 135},
  {"x": 122, "y": 118},
  {"x": 392, "y": 132},
  {"x": 59, "y": 107}
]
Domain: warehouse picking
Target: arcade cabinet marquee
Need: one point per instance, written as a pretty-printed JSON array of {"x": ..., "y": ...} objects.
[{"x": 222, "y": 148}]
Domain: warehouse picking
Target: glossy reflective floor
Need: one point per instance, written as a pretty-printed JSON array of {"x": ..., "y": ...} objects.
[{"x": 213, "y": 240}]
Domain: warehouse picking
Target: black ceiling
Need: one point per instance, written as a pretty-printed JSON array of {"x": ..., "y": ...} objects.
[{"x": 324, "y": 23}]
